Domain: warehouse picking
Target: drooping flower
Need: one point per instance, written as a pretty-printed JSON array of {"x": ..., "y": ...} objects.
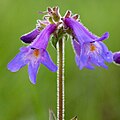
[
  {"x": 35, "y": 54},
  {"x": 81, "y": 33},
  {"x": 89, "y": 48},
  {"x": 116, "y": 57}
]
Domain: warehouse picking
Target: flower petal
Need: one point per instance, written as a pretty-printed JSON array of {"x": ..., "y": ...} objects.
[
  {"x": 17, "y": 63},
  {"x": 83, "y": 57},
  {"x": 89, "y": 66},
  {"x": 77, "y": 59},
  {"x": 29, "y": 37},
  {"x": 106, "y": 54},
  {"x": 102, "y": 64},
  {"x": 47, "y": 61},
  {"x": 79, "y": 62},
  {"x": 98, "y": 61},
  {"x": 103, "y": 37},
  {"x": 76, "y": 47},
  {"x": 33, "y": 70}
]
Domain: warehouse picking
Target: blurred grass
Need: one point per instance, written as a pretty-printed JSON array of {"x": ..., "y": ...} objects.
[{"x": 91, "y": 95}]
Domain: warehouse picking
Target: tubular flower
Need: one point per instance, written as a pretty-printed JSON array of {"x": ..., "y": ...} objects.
[
  {"x": 34, "y": 55},
  {"x": 116, "y": 57},
  {"x": 81, "y": 33},
  {"x": 89, "y": 49}
]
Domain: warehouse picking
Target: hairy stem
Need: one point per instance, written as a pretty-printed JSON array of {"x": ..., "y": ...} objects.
[{"x": 60, "y": 80}]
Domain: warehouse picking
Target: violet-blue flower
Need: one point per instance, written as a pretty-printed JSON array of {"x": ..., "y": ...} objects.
[
  {"x": 35, "y": 54},
  {"x": 116, "y": 57},
  {"x": 89, "y": 48},
  {"x": 81, "y": 33}
]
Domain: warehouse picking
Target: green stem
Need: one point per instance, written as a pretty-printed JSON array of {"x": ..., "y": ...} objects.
[{"x": 60, "y": 81}]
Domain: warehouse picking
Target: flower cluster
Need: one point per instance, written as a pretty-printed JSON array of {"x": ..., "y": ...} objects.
[{"x": 89, "y": 49}]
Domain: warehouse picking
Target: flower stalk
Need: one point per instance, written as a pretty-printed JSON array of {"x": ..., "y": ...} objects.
[{"x": 60, "y": 80}]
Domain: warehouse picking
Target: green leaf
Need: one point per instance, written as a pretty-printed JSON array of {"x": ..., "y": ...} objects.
[
  {"x": 52, "y": 115},
  {"x": 54, "y": 42},
  {"x": 74, "y": 118}
]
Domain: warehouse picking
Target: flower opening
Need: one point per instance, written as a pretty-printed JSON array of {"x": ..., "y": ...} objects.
[
  {"x": 92, "y": 47},
  {"x": 34, "y": 54}
]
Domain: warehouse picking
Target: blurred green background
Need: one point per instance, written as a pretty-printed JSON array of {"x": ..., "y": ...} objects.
[{"x": 91, "y": 95}]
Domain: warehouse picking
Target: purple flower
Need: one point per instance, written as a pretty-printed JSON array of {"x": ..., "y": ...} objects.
[
  {"x": 35, "y": 54},
  {"x": 116, "y": 57},
  {"x": 91, "y": 54},
  {"x": 29, "y": 37},
  {"x": 81, "y": 33},
  {"x": 89, "y": 49}
]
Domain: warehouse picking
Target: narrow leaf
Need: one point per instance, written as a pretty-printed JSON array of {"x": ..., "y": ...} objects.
[
  {"x": 74, "y": 118},
  {"x": 52, "y": 115}
]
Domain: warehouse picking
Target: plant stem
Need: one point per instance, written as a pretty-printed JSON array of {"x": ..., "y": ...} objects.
[{"x": 60, "y": 80}]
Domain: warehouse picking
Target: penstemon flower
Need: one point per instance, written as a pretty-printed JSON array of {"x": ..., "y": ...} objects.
[
  {"x": 89, "y": 49},
  {"x": 34, "y": 54}
]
